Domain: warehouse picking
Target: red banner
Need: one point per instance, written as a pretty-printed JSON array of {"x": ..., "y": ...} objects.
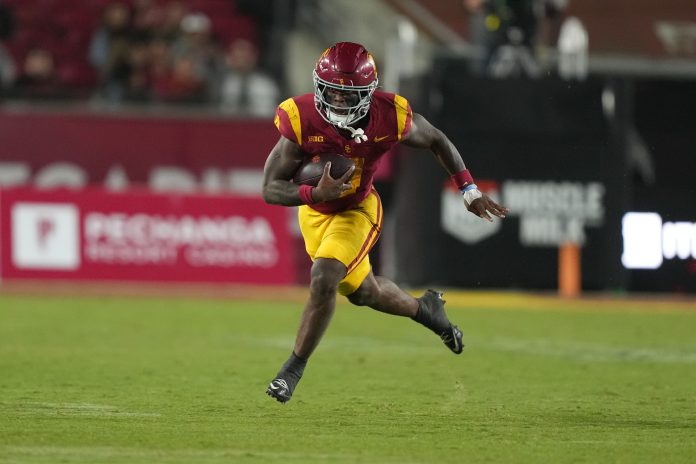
[
  {"x": 139, "y": 236},
  {"x": 117, "y": 152}
]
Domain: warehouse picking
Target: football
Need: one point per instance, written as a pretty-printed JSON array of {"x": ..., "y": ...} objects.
[{"x": 312, "y": 168}]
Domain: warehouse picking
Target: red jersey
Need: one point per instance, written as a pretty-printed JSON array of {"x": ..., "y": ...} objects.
[{"x": 390, "y": 120}]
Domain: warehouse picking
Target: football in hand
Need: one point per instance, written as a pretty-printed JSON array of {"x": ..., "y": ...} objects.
[{"x": 312, "y": 168}]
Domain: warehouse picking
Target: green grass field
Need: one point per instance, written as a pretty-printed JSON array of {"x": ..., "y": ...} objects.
[{"x": 154, "y": 380}]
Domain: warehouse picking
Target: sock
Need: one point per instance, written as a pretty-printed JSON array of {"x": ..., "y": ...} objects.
[
  {"x": 292, "y": 370},
  {"x": 423, "y": 315}
]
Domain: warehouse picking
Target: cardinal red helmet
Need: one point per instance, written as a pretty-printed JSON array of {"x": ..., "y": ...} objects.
[{"x": 345, "y": 78}]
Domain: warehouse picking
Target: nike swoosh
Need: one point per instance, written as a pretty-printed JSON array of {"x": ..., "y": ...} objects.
[{"x": 379, "y": 139}]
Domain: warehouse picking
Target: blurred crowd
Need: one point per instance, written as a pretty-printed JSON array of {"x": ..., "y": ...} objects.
[
  {"x": 507, "y": 35},
  {"x": 135, "y": 51}
]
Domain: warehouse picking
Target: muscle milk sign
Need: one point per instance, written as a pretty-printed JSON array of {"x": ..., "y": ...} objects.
[
  {"x": 550, "y": 212},
  {"x": 457, "y": 221}
]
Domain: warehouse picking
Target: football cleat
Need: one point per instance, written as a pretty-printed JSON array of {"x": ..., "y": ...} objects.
[
  {"x": 432, "y": 315},
  {"x": 280, "y": 390},
  {"x": 452, "y": 338},
  {"x": 282, "y": 387}
]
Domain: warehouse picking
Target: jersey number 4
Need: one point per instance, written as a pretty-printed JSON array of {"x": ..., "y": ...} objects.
[{"x": 356, "y": 178}]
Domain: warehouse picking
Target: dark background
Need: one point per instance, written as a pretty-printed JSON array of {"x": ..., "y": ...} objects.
[{"x": 549, "y": 129}]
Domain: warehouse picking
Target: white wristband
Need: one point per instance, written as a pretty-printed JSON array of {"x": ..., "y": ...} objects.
[{"x": 471, "y": 195}]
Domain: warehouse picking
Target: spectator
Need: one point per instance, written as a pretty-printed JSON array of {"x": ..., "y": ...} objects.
[
  {"x": 183, "y": 84},
  {"x": 160, "y": 59},
  {"x": 245, "y": 89},
  {"x": 136, "y": 72},
  {"x": 506, "y": 34},
  {"x": 147, "y": 17},
  {"x": 114, "y": 30},
  {"x": 169, "y": 26},
  {"x": 478, "y": 34},
  {"x": 196, "y": 41},
  {"x": 8, "y": 68},
  {"x": 7, "y": 22},
  {"x": 38, "y": 78},
  {"x": 109, "y": 50}
]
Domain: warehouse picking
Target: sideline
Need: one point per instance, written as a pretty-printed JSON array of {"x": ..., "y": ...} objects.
[{"x": 502, "y": 299}]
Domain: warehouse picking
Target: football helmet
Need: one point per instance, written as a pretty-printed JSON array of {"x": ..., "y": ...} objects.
[{"x": 345, "y": 77}]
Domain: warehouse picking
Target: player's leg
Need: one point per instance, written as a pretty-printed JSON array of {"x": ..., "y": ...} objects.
[
  {"x": 338, "y": 244},
  {"x": 383, "y": 295},
  {"x": 326, "y": 274},
  {"x": 318, "y": 311},
  {"x": 332, "y": 241}
]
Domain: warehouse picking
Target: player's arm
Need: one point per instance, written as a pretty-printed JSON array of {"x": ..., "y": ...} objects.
[
  {"x": 282, "y": 163},
  {"x": 422, "y": 134}
]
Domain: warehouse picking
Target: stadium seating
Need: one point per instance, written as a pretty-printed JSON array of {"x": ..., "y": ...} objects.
[
  {"x": 65, "y": 27},
  {"x": 615, "y": 27}
]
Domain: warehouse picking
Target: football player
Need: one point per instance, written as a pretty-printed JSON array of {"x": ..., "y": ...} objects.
[{"x": 341, "y": 219}]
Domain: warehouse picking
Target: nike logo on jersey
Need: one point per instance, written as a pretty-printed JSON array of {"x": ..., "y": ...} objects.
[{"x": 379, "y": 139}]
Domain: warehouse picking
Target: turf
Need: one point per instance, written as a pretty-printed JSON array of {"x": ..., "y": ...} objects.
[{"x": 147, "y": 380}]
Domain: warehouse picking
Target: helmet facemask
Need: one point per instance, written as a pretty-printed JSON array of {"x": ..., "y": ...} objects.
[{"x": 355, "y": 105}]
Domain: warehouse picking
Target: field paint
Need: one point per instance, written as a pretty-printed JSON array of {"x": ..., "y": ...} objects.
[
  {"x": 74, "y": 409},
  {"x": 101, "y": 452},
  {"x": 282, "y": 341},
  {"x": 361, "y": 344},
  {"x": 583, "y": 351},
  {"x": 460, "y": 298},
  {"x": 595, "y": 302}
]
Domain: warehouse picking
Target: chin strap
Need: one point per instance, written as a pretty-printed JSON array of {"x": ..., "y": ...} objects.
[{"x": 357, "y": 134}]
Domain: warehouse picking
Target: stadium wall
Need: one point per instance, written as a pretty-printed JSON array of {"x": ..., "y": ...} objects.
[
  {"x": 95, "y": 196},
  {"x": 570, "y": 159},
  {"x": 139, "y": 236}
]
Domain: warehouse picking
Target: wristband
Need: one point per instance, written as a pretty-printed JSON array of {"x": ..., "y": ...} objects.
[
  {"x": 469, "y": 187},
  {"x": 462, "y": 179},
  {"x": 305, "y": 192}
]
